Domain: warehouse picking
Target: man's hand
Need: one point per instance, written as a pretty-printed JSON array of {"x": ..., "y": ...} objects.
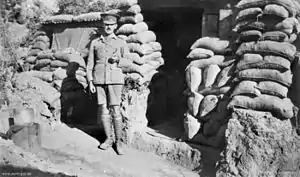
[
  {"x": 113, "y": 60},
  {"x": 92, "y": 87}
]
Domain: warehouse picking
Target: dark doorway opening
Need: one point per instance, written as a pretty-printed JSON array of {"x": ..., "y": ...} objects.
[{"x": 176, "y": 29}]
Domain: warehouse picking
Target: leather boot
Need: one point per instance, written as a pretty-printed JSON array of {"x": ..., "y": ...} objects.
[
  {"x": 106, "y": 121},
  {"x": 117, "y": 121}
]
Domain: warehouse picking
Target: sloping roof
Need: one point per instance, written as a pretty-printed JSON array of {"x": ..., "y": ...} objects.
[
  {"x": 58, "y": 19},
  {"x": 86, "y": 17}
]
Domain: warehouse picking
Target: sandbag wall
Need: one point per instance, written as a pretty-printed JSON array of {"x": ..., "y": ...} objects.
[
  {"x": 46, "y": 61},
  {"x": 208, "y": 77},
  {"x": 55, "y": 63},
  {"x": 256, "y": 76},
  {"x": 145, "y": 51},
  {"x": 265, "y": 57}
]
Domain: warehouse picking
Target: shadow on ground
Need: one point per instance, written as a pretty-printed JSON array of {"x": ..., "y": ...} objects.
[{"x": 9, "y": 170}]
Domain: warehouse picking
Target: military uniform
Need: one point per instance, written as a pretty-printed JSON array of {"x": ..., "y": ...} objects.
[
  {"x": 107, "y": 77},
  {"x": 104, "y": 64}
]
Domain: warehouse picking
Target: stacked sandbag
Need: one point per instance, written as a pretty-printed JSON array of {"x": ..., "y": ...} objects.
[
  {"x": 40, "y": 43},
  {"x": 145, "y": 51},
  {"x": 208, "y": 77},
  {"x": 62, "y": 60},
  {"x": 265, "y": 57}
]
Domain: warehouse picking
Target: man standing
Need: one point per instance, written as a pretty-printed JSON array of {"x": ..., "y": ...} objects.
[{"x": 105, "y": 77}]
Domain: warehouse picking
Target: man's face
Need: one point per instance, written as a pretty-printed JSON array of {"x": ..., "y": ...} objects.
[{"x": 109, "y": 28}]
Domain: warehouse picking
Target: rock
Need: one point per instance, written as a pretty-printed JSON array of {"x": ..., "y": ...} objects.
[
  {"x": 258, "y": 144},
  {"x": 48, "y": 94}
]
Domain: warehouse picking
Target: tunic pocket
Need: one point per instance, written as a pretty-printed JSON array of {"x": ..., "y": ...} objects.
[{"x": 116, "y": 76}]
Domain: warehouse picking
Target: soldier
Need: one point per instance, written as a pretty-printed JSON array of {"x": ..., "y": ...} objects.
[{"x": 106, "y": 78}]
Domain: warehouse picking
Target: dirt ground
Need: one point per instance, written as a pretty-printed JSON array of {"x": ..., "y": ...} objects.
[{"x": 70, "y": 160}]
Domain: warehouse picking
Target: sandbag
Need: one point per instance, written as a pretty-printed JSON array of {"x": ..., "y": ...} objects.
[
  {"x": 62, "y": 56},
  {"x": 31, "y": 59},
  {"x": 210, "y": 74},
  {"x": 80, "y": 72},
  {"x": 268, "y": 48},
  {"x": 193, "y": 76},
  {"x": 200, "y": 53},
  {"x": 135, "y": 48},
  {"x": 252, "y": 57},
  {"x": 150, "y": 47},
  {"x": 73, "y": 57},
  {"x": 288, "y": 4},
  {"x": 58, "y": 63},
  {"x": 249, "y": 25},
  {"x": 224, "y": 76},
  {"x": 253, "y": 12},
  {"x": 45, "y": 76},
  {"x": 152, "y": 56},
  {"x": 214, "y": 44},
  {"x": 45, "y": 55},
  {"x": 142, "y": 38},
  {"x": 81, "y": 79},
  {"x": 248, "y": 88},
  {"x": 284, "y": 78},
  {"x": 272, "y": 88},
  {"x": 288, "y": 25},
  {"x": 268, "y": 62},
  {"x": 156, "y": 62},
  {"x": 135, "y": 58},
  {"x": 293, "y": 37},
  {"x": 88, "y": 17},
  {"x": 41, "y": 45},
  {"x": 133, "y": 10},
  {"x": 269, "y": 23},
  {"x": 214, "y": 90},
  {"x": 124, "y": 37},
  {"x": 126, "y": 3},
  {"x": 58, "y": 19},
  {"x": 229, "y": 60},
  {"x": 140, "y": 27},
  {"x": 250, "y": 35},
  {"x": 129, "y": 29},
  {"x": 59, "y": 74},
  {"x": 202, "y": 63},
  {"x": 193, "y": 103},
  {"x": 281, "y": 108},
  {"x": 191, "y": 126},
  {"x": 42, "y": 63},
  {"x": 208, "y": 104},
  {"x": 125, "y": 29},
  {"x": 274, "y": 9},
  {"x": 34, "y": 52},
  {"x": 46, "y": 68},
  {"x": 275, "y": 36},
  {"x": 42, "y": 39},
  {"x": 138, "y": 18},
  {"x": 39, "y": 33}
]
